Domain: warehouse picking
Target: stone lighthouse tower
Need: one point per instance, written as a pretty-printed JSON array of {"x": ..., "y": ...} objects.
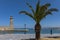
[{"x": 11, "y": 22}]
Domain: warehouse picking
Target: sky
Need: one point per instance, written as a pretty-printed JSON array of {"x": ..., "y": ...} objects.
[{"x": 12, "y": 7}]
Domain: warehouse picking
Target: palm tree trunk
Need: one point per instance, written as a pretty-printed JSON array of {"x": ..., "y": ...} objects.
[{"x": 37, "y": 31}]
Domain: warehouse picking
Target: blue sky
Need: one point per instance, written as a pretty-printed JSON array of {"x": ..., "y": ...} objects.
[{"x": 12, "y": 7}]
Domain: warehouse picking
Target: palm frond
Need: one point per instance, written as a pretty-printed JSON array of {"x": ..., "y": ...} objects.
[
  {"x": 53, "y": 9},
  {"x": 26, "y": 13},
  {"x": 37, "y": 9},
  {"x": 42, "y": 16},
  {"x": 37, "y": 6},
  {"x": 50, "y": 11},
  {"x": 47, "y": 12},
  {"x": 47, "y": 5},
  {"x": 44, "y": 7},
  {"x": 30, "y": 7}
]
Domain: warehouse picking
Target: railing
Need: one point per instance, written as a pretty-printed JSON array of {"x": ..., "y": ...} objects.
[{"x": 30, "y": 31}]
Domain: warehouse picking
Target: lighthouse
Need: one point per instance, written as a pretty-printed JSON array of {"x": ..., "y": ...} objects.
[{"x": 11, "y": 22}]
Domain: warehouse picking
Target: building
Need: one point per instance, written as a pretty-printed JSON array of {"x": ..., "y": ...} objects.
[{"x": 10, "y": 27}]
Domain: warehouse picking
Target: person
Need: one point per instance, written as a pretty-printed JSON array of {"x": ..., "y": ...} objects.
[{"x": 51, "y": 31}]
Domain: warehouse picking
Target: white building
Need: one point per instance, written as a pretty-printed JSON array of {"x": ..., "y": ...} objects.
[{"x": 9, "y": 27}]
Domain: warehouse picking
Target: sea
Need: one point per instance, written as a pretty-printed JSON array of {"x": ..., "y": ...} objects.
[{"x": 31, "y": 31}]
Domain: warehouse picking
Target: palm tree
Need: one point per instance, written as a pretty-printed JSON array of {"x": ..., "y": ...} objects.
[{"x": 38, "y": 14}]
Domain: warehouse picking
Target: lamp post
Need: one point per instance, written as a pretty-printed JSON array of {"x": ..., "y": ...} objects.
[{"x": 25, "y": 28}]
